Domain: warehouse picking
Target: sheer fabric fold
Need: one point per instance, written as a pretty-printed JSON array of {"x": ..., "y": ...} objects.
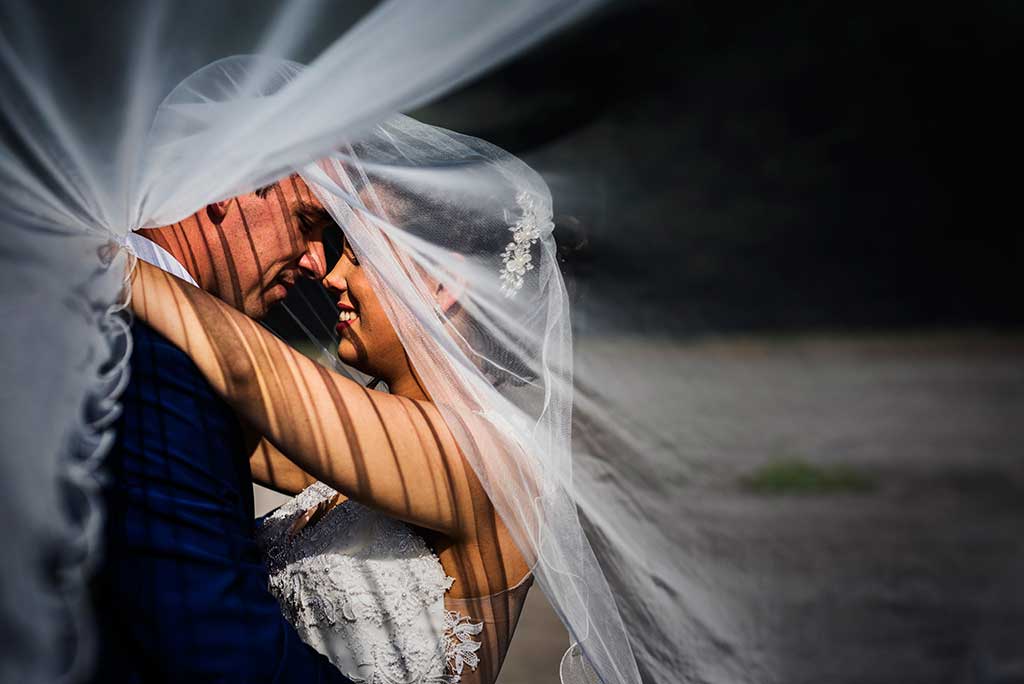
[
  {"x": 136, "y": 116},
  {"x": 428, "y": 209}
]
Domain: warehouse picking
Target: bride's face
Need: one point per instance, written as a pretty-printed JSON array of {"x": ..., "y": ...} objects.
[{"x": 366, "y": 339}]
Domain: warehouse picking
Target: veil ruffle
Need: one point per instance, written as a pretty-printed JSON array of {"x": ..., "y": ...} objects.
[
  {"x": 85, "y": 158},
  {"x": 425, "y": 207}
]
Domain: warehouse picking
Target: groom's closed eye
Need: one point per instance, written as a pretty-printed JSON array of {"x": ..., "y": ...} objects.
[
  {"x": 264, "y": 191},
  {"x": 314, "y": 220}
]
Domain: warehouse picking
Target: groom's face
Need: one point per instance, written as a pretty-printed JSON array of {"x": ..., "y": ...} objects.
[{"x": 263, "y": 247}]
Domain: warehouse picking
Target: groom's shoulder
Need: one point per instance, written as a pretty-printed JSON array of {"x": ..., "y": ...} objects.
[
  {"x": 147, "y": 340},
  {"x": 164, "y": 380},
  {"x": 155, "y": 359}
]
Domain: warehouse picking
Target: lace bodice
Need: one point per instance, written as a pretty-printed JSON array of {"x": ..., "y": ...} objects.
[{"x": 364, "y": 590}]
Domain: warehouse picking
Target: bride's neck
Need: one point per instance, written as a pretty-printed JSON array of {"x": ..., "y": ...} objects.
[
  {"x": 409, "y": 387},
  {"x": 407, "y": 384}
]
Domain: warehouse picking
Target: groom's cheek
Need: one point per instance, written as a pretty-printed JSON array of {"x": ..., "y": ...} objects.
[{"x": 285, "y": 199}]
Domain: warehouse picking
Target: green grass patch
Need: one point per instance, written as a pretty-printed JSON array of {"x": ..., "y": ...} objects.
[{"x": 794, "y": 476}]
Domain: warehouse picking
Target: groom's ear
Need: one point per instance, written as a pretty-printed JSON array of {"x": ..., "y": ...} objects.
[{"x": 217, "y": 211}]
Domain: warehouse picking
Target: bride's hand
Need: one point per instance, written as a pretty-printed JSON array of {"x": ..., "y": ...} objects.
[{"x": 314, "y": 515}]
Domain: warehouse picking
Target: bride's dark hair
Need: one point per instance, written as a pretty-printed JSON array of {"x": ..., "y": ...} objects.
[
  {"x": 423, "y": 214},
  {"x": 420, "y": 213}
]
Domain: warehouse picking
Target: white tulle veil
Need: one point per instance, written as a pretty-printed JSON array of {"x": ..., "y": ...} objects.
[
  {"x": 132, "y": 113},
  {"x": 136, "y": 115},
  {"x": 426, "y": 208}
]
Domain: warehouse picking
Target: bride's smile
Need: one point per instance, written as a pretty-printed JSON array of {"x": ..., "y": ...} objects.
[
  {"x": 346, "y": 317},
  {"x": 430, "y": 289},
  {"x": 367, "y": 340}
]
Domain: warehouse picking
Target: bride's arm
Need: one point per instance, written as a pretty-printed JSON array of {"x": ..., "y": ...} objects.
[
  {"x": 389, "y": 452},
  {"x": 272, "y": 469}
]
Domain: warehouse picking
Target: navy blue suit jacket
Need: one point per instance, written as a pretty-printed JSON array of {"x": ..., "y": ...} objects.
[{"x": 182, "y": 594}]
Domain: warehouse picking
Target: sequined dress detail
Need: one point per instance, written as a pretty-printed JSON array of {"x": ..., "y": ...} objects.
[{"x": 364, "y": 590}]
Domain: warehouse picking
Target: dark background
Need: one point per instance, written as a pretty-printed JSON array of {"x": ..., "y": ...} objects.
[
  {"x": 851, "y": 501},
  {"x": 742, "y": 171},
  {"x": 770, "y": 168}
]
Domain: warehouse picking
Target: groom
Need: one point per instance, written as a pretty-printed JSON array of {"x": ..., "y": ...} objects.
[{"x": 182, "y": 594}]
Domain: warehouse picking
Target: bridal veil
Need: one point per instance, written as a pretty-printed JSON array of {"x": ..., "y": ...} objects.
[{"x": 137, "y": 114}]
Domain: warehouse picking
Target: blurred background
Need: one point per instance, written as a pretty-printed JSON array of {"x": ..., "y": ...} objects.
[
  {"x": 775, "y": 168},
  {"x": 792, "y": 239}
]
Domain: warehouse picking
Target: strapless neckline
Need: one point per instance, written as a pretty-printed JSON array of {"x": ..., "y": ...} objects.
[{"x": 364, "y": 590}]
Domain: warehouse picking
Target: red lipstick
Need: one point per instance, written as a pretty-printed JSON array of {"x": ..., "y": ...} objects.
[{"x": 347, "y": 321}]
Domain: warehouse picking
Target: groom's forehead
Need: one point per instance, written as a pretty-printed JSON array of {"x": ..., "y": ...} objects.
[
  {"x": 292, "y": 187},
  {"x": 275, "y": 204}
]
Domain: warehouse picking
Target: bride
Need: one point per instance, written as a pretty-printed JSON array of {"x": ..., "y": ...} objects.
[{"x": 409, "y": 557}]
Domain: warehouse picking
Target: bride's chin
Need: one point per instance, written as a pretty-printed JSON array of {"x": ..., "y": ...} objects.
[{"x": 347, "y": 355}]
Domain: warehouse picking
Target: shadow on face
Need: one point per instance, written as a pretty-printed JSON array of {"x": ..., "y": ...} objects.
[
  {"x": 367, "y": 340},
  {"x": 256, "y": 246}
]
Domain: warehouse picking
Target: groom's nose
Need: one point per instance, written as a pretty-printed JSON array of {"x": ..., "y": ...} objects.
[{"x": 313, "y": 265}]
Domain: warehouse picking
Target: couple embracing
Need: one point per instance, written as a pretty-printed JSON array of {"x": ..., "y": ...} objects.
[{"x": 419, "y": 511}]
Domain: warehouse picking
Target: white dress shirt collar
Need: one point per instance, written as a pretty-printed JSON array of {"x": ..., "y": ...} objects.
[{"x": 152, "y": 253}]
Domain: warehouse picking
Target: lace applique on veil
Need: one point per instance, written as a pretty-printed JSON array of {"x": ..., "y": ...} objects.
[{"x": 364, "y": 590}]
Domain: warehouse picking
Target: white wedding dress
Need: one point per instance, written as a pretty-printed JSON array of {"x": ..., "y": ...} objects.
[{"x": 364, "y": 590}]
